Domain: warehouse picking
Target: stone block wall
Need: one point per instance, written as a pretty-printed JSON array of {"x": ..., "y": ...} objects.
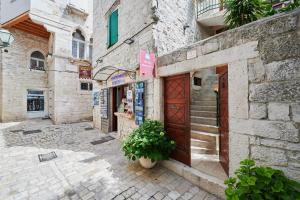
[
  {"x": 264, "y": 88},
  {"x": 274, "y": 101},
  {"x": 17, "y": 78}
]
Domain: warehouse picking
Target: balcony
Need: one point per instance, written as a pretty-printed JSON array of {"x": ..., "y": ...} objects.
[{"x": 210, "y": 13}]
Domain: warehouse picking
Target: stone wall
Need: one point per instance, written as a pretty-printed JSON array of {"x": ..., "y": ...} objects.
[
  {"x": 17, "y": 77},
  {"x": 176, "y": 26},
  {"x": 264, "y": 87}
]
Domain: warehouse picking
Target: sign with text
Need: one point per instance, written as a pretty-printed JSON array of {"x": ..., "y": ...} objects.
[
  {"x": 104, "y": 103},
  {"x": 147, "y": 63},
  {"x": 118, "y": 79},
  {"x": 85, "y": 72}
]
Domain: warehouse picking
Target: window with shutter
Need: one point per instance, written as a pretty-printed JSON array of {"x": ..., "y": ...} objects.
[{"x": 113, "y": 28}]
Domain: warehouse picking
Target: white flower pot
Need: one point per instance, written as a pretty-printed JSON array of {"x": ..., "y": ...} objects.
[{"x": 147, "y": 163}]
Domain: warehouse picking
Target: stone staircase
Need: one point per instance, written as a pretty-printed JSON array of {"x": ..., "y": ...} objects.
[{"x": 204, "y": 130}]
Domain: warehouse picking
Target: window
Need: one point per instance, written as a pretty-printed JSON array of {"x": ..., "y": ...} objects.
[
  {"x": 35, "y": 101},
  {"x": 78, "y": 45},
  {"x": 37, "y": 61},
  {"x": 113, "y": 29},
  {"x": 86, "y": 86},
  {"x": 197, "y": 81}
]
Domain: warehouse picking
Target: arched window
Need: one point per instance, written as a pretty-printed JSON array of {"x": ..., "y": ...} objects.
[
  {"x": 78, "y": 45},
  {"x": 37, "y": 61}
]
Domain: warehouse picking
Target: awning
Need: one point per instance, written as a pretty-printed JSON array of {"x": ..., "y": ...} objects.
[{"x": 104, "y": 73}]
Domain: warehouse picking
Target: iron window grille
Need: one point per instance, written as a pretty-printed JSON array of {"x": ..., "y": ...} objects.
[
  {"x": 86, "y": 86},
  {"x": 35, "y": 101}
]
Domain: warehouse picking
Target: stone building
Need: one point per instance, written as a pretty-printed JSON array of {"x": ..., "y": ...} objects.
[
  {"x": 46, "y": 72},
  {"x": 155, "y": 28},
  {"x": 222, "y": 98}
]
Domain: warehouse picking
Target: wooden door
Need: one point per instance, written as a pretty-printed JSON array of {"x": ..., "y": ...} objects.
[
  {"x": 177, "y": 115},
  {"x": 224, "y": 126}
]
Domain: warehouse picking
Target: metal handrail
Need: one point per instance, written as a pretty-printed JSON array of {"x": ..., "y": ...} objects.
[{"x": 207, "y": 5}]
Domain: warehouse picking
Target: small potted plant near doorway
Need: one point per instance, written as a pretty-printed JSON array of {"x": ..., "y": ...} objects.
[{"x": 148, "y": 143}]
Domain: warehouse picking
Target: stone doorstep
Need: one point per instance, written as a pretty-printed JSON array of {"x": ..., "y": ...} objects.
[{"x": 209, "y": 183}]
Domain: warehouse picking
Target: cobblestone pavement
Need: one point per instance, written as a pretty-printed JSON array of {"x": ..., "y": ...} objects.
[{"x": 81, "y": 170}]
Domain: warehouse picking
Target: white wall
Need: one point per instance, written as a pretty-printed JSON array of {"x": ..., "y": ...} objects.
[{"x": 11, "y": 9}]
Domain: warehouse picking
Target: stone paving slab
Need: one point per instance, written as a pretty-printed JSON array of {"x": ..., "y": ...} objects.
[{"x": 81, "y": 170}]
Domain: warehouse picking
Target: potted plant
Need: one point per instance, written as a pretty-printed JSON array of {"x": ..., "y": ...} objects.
[
  {"x": 148, "y": 143},
  {"x": 255, "y": 182}
]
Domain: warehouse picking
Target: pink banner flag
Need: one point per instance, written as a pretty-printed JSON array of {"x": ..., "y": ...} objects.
[{"x": 147, "y": 63}]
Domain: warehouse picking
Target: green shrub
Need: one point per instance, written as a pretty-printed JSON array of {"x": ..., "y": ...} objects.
[
  {"x": 260, "y": 183},
  {"x": 149, "y": 141},
  {"x": 240, "y": 12}
]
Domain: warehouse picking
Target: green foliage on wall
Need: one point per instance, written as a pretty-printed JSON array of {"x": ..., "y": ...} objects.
[{"x": 260, "y": 183}]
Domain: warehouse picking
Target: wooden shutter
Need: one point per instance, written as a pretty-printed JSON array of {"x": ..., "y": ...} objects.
[{"x": 113, "y": 28}]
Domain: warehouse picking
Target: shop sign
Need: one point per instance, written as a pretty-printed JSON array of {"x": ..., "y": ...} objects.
[
  {"x": 147, "y": 63},
  {"x": 118, "y": 79},
  {"x": 104, "y": 103},
  {"x": 85, "y": 72},
  {"x": 96, "y": 96}
]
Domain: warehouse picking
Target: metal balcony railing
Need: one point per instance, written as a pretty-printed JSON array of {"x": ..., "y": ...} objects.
[{"x": 207, "y": 5}]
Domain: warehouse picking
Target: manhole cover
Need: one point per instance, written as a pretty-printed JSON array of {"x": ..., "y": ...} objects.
[
  {"x": 102, "y": 140},
  {"x": 31, "y": 132},
  {"x": 89, "y": 128},
  {"x": 47, "y": 156}
]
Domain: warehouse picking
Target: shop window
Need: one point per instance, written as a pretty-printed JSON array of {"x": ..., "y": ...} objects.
[
  {"x": 113, "y": 27},
  {"x": 197, "y": 81},
  {"x": 35, "y": 101},
  {"x": 86, "y": 86},
  {"x": 37, "y": 61},
  {"x": 78, "y": 45}
]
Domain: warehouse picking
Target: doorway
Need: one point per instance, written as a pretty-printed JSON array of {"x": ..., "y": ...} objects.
[
  {"x": 118, "y": 95},
  {"x": 196, "y": 117}
]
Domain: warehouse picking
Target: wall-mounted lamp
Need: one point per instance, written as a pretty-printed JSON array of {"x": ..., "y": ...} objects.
[
  {"x": 6, "y": 38},
  {"x": 129, "y": 41}
]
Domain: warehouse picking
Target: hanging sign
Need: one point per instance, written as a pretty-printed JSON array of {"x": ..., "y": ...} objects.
[
  {"x": 139, "y": 104},
  {"x": 85, "y": 72},
  {"x": 104, "y": 103},
  {"x": 147, "y": 63}
]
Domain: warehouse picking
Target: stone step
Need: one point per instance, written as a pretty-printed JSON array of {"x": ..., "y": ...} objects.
[
  {"x": 205, "y": 128},
  {"x": 207, "y": 182},
  {"x": 204, "y": 120},
  {"x": 203, "y": 108},
  {"x": 208, "y": 137},
  {"x": 209, "y": 114},
  {"x": 201, "y": 150},
  {"x": 204, "y": 97},
  {"x": 204, "y": 102},
  {"x": 203, "y": 144}
]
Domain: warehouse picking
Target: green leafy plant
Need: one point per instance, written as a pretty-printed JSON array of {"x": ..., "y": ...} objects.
[
  {"x": 149, "y": 141},
  {"x": 240, "y": 12},
  {"x": 260, "y": 183}
]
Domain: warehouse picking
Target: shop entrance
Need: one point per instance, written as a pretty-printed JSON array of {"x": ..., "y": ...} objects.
[
  {"x": 118, "y": 95},
  {"x": 177, "y": 115}
]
